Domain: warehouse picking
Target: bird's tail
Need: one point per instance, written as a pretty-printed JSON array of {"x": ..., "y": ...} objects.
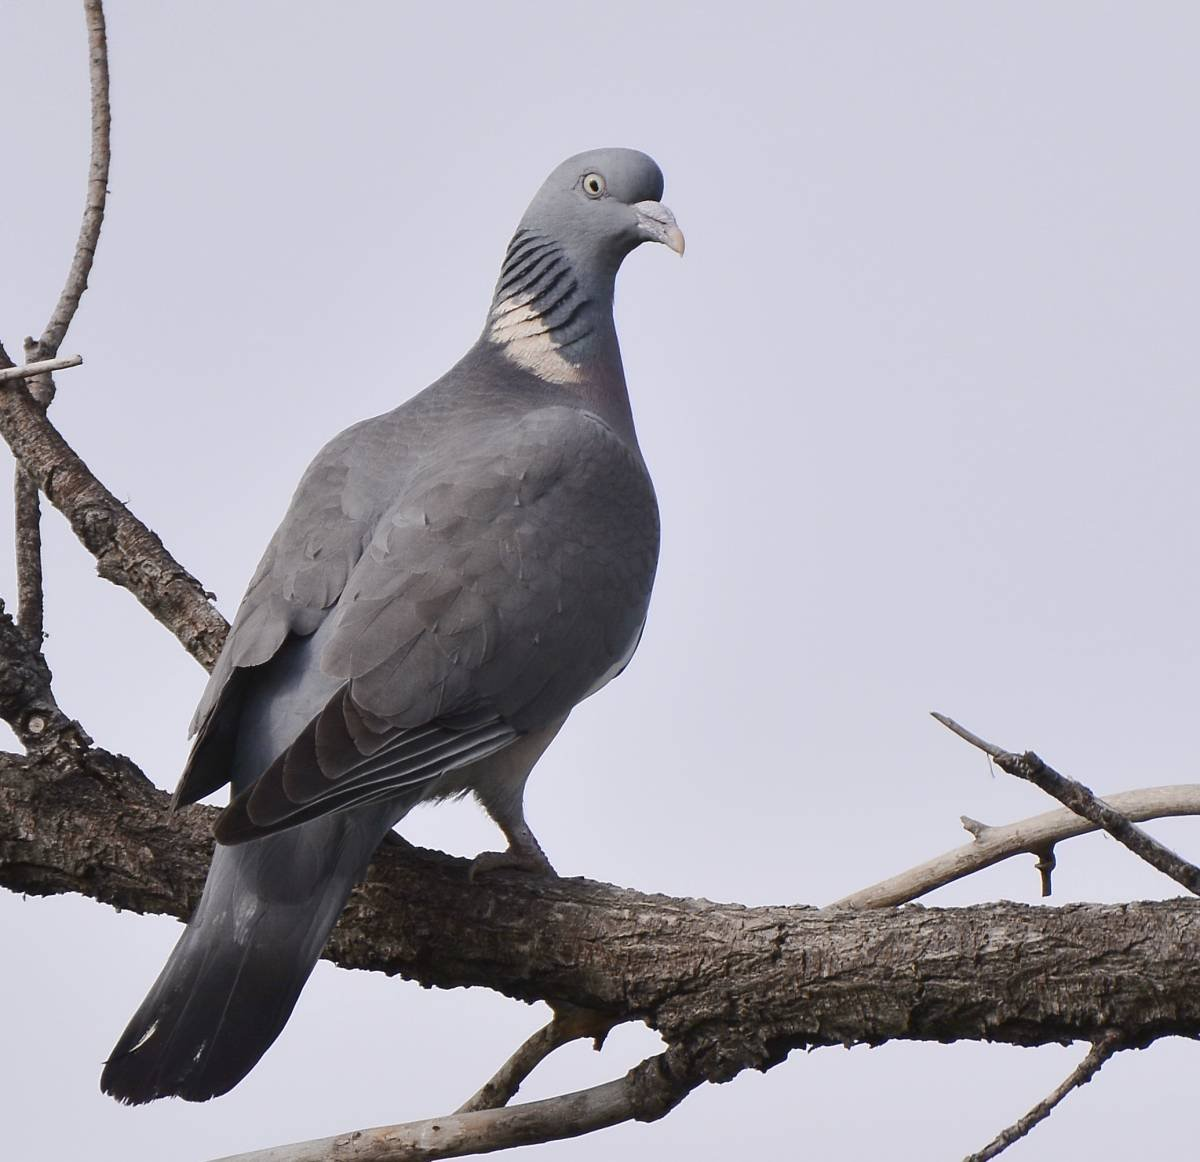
[{"x": 234, "y": 977}]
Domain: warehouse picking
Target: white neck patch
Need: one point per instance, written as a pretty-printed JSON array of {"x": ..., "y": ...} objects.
[{"x": 518, "y": 330}]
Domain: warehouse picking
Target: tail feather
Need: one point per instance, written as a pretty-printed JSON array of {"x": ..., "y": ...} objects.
[{"x": 233, "y": 979}]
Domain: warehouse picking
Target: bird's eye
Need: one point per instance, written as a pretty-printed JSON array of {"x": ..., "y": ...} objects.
[{"x": 594, "y": 185}]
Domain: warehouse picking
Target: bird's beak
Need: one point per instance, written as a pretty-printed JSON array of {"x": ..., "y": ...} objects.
[{"x": 655, "y": 223}]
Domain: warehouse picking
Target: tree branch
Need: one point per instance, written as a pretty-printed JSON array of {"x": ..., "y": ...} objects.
[
  {"x": 26, "y": 701},
  {"x": 27, "y": 529},
  {"x": 1083, "y": 801},
  {"x": 569, "y": 1024},
  {"x": 645, "y": 1094},
  {"x": 1100, "y": 1052},
  {"x": 11, "y": 372},
  {"x": 127, "y": 552},
  {"x": 39, "y": 355},
  {"x": 1033, "y": 836},
  {"x": 97, "y": 188},
  {"x": 735, "y": 987}
]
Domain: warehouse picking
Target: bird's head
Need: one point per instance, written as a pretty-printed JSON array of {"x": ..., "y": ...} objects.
[
  {"x": 603, "y": 203},
  {"x": 552, "y": 310}
]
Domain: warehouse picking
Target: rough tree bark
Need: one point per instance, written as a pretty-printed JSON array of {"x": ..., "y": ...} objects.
[{"x": 734, "y": 987}]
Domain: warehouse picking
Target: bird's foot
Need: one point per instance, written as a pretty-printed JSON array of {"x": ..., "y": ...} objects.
[{"x": 527, "y": 859}]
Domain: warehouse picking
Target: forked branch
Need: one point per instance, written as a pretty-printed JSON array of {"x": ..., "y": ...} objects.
[
  {"x": 569, "y": 1024},
  {"x": 1083, "y": 801},
  {"x": 645, "y": 1094},
  {"x": 1033, "y": 836}
]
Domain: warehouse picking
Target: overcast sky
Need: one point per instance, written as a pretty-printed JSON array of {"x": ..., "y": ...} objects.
[{"x": 920, "y": 404}]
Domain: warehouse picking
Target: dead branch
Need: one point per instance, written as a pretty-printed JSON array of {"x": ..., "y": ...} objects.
[
  {"x": 569, "y": 1024},
  {"x": 1031, "y": 836},
  {"x": 39, "y": 355},
  {"x": 27, "y": 371},
  {"x": 1099, "y": 1053},
  {"x": 1083, "y": 801},
  {"x": 645, "y": 1094},
  {"x": 97, "y": 187},
  {"x": 127, "y": 552}
]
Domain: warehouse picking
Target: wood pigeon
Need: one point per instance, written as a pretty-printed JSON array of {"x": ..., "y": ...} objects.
[{"x": 451, "y": 578}]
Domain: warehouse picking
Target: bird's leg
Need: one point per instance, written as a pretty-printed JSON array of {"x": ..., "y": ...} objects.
[
  {"x": 499, "y": 784},
  {"x": 524, "y": 852}
]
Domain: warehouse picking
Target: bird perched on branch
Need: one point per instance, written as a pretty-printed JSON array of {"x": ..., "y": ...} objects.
[{"x": 451, "y": 579}]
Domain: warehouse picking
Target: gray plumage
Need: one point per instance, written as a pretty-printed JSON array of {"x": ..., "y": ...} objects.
[{"x": 451, "y": 578}]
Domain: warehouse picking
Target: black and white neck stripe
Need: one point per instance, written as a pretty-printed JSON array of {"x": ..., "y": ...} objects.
[{"x": 540, "y": 315}]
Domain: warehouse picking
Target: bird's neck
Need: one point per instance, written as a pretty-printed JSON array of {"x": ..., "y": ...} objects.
[{"x": 552, "y": 316}]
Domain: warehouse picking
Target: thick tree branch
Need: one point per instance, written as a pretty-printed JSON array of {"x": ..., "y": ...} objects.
[
  {"x": 1100, "y": 1052},
  {"x": 645, "y": 1094},
  {"x": 731, "y": 987},
  {"x": 1033, "y": 836},
  {"x": 1083, "y": 801}
]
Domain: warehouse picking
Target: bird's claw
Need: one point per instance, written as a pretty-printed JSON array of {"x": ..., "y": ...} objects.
[{"x": 529, "y": 860}]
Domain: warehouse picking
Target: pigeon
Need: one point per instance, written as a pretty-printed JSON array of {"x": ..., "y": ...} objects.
[{"x": 450, "y": 580}]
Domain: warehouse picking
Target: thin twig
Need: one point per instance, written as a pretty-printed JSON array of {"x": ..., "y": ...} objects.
[
  {"x": 29, "y": 370},
  {"x": 646, "y": 1093},
  {"x": 39, "y": 355},
  {"x": 1083, "y": 801},
  {"x": 1027, "y": 836},
  {"x": 97, "y": 188},
  {"x": 568, "y": 1024},
  {"x": 1100, "y": 1052}
]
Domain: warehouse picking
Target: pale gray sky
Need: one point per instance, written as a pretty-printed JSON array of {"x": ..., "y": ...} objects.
[{"x": 920, "y": 404}]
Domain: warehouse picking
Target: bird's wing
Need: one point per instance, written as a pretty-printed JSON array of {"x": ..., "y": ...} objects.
[
  {"x": 505, "y": 583},
  {"x": 295, "y": 587}
]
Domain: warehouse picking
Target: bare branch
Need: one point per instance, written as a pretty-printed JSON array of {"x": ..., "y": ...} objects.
[
  {"x": 1083, "y": 801},
  {"x": 41, "y": 367},
  {"x": 740, "y": 987},
  {"x": 1031, "y": 836},
  {"x": 645, "y": 1094},
  {"x": 97, "y": 189},
  {"x": 127, "y": 552},
  {"x": 569, "y": 1024},
  {"x": 26, "y": 702},
  {"x": 28, "y": 532},
  {"x": 27, "y": 523},
  {"x": 1100, "y": 1052}
]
